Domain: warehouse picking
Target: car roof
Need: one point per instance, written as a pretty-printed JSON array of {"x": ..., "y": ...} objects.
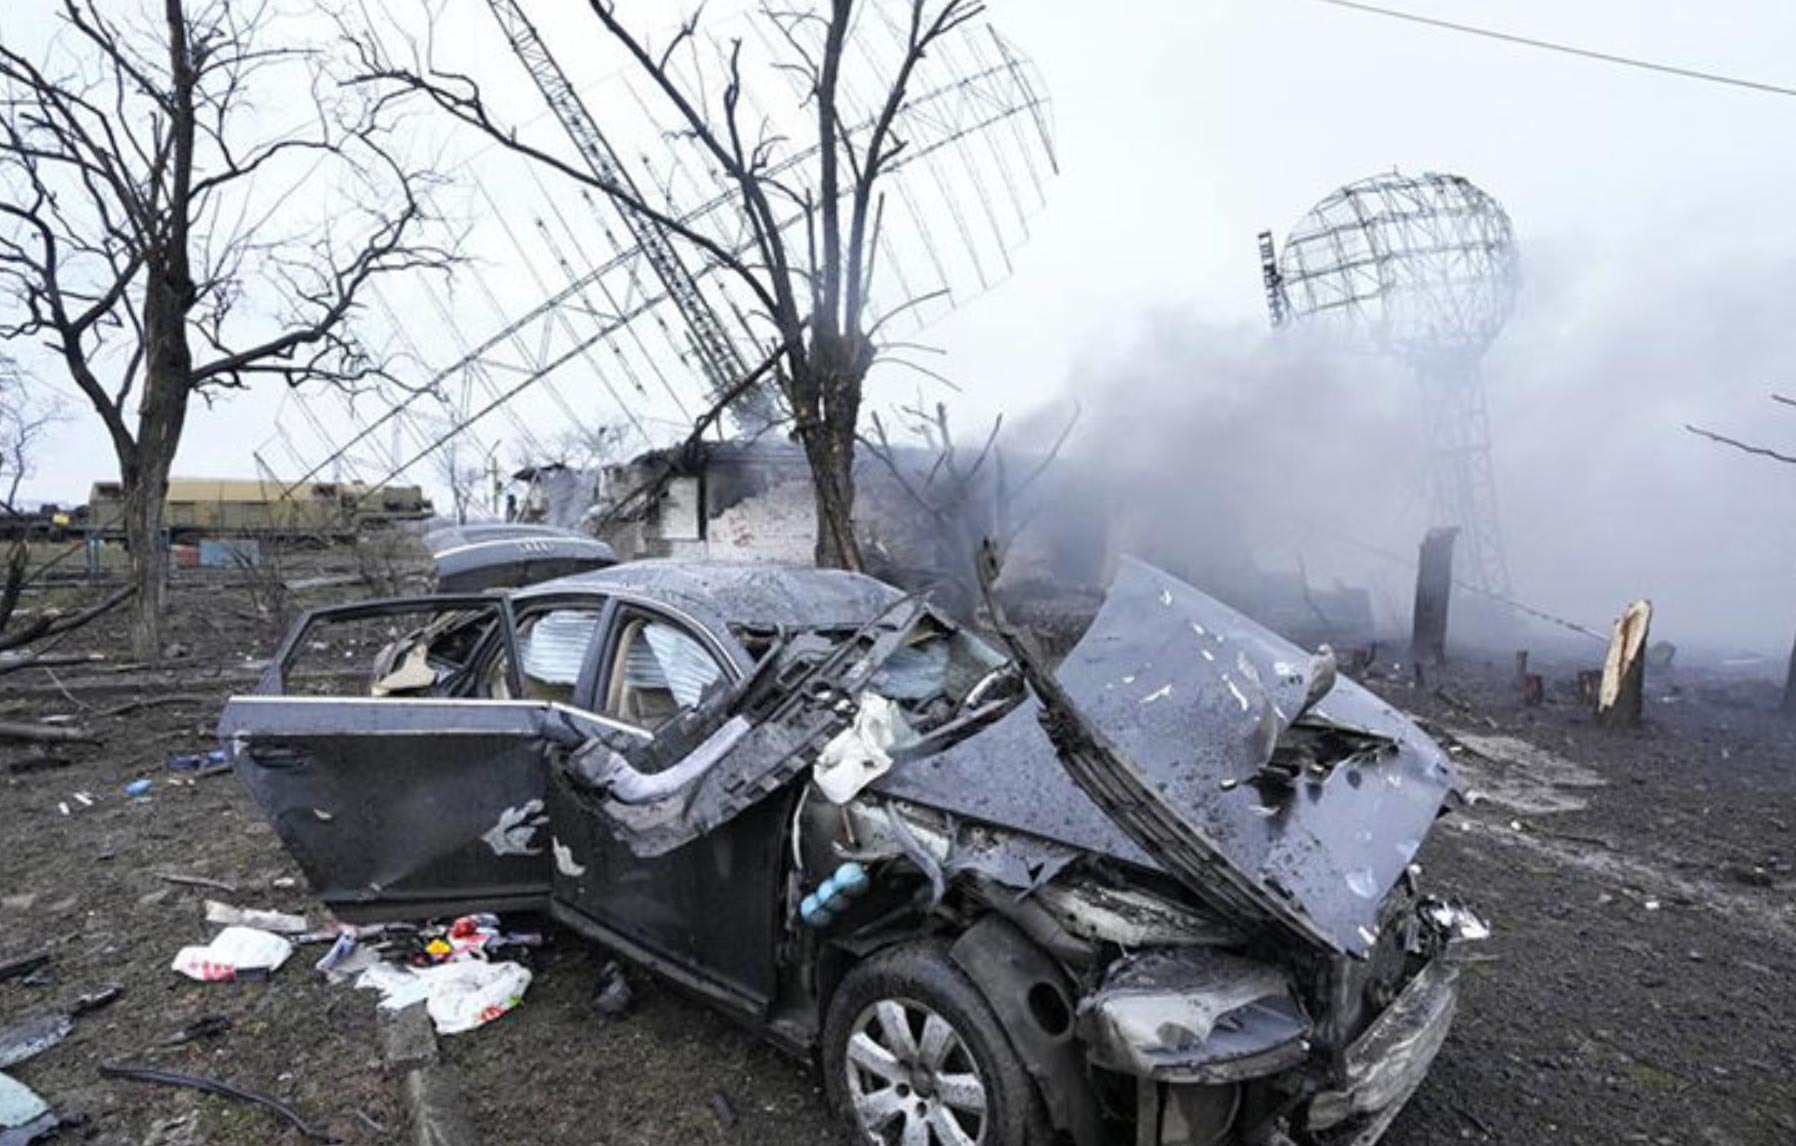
[
  {"x": 753, "y": 595},
  {"x": 475, "y": 532}
]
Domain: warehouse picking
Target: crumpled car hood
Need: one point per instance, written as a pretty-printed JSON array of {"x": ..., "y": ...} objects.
[{"x": 1195, "y": 693}]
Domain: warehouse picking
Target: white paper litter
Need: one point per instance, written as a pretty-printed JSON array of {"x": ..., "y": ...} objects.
[
  {"x": 235, "y": 950},
  {"x": 279, "y": 922},
  {"x": 459, "y": 996}
]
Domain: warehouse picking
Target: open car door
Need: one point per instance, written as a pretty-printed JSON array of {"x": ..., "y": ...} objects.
[{"x": 396, "y": 750}]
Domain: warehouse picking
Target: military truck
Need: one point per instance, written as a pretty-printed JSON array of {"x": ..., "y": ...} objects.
[{"x": 249, "y": 507}]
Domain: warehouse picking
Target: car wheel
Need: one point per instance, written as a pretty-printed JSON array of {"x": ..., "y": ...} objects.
[{"x": 914, "y": 1056}]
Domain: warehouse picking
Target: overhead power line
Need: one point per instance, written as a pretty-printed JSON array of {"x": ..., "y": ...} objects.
[{"x": 1562, "y": 49}]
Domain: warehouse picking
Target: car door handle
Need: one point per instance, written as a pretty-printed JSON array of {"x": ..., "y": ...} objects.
[{"x": 277, "y": 758}]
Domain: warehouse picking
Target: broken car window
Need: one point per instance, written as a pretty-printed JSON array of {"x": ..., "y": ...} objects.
[
  {"x": 657, "y": 672},
  {"x": 407, "y": 652},
  {"x": 940, "y": 672},
  {"x": 552, "y": 649}
]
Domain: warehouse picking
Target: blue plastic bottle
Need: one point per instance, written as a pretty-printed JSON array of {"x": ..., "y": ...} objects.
[{"x": 820, "y": 908}]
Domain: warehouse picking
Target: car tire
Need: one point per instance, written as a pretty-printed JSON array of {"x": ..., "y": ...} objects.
[{"x": 910, "y": 1044}]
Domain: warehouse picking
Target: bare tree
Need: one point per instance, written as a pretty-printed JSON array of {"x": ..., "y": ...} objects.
[
  {"x": 968, "y": 499},
  {"x": 464, "y": 479},
  {"x": 188, "y": 206},
  {"x": 809, "y": 279},
  {"x": 23, "y": 421}
]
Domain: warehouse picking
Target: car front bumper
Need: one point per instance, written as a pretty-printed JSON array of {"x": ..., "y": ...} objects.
[
  {"x": 1379, "y": 1072},
  {"x": 1385, "y": 1065}
]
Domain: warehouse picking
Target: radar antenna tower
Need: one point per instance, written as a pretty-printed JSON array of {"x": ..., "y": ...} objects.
[{"x": 719, "y": 358}]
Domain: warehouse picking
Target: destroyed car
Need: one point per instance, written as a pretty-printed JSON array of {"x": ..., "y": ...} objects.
[{"x": 1166, "y": 896}]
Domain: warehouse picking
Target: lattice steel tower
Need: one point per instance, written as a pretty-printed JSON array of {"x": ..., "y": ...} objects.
[{"x": 1424, "y": 269}]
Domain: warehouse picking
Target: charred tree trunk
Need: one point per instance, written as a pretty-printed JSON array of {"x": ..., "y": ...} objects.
[
  {"x": 144, "y": 505},
  {"x": 145, "y": 469},
  {"x": 1434, "y": 592},
  {"x": 838, "y": 365},
  {"x": 831, "y": 462}
]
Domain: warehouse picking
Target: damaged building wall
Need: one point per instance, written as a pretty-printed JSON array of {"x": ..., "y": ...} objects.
[
  {"x": 554, "y": 494},
  {"x": 751, "y": 501}
]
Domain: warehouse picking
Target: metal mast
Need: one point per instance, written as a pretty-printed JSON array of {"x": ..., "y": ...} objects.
[
  {"x": 1462, "y": 489},
  {"x": 719, "y": 359}
]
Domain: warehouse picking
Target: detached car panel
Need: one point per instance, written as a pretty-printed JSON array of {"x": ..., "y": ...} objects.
[{"x": 835, "y": 814}]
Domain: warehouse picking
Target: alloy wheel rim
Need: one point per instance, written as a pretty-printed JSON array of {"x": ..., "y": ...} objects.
[{"x": 912, "y": 1080}]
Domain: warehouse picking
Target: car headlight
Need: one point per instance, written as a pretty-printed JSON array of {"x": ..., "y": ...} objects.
[{"x": 1194, "y": 1015}]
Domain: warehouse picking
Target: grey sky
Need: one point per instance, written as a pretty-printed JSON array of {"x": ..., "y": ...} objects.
[{"x": 1653, "y": 215}]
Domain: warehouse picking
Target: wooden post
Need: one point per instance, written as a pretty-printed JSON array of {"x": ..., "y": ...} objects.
[
  {"x": 1621, "y": 701},
  {"x": 1534, "y": 690},
  {"x": 1790, "y": 685},
  {"x": 1434, "y": 591}
]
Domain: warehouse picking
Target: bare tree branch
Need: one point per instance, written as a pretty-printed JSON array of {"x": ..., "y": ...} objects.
[{"x": 1757, "y": 451}]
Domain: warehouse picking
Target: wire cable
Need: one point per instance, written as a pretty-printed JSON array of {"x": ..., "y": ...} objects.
[{"x": 1562, "y": 49}]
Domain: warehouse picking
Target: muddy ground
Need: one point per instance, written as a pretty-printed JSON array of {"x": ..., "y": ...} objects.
[{"x": 1640, "y": 987}]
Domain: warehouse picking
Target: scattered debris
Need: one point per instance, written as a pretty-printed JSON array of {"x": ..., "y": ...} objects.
[
  {"x": 23, "y": 965},
  {"x": 94, "y": 1000},
  {"x": 203, "y": 763},
  {"x": 204, "y": 1027},
  {"x": 45, "y": 733},
  {"x": 212, "y": 1086},
  {"x": 362, "y": 1116},
  {"x": 225, "y": 886},
  {"x": 345, "y": 959},
  {"x": 1521, "y": 776},
  {"x": 1752, "y": 875},
  {"x": 611, "y": 991},
  {"x": 279, "y": 922},
  {"x": 479, "y": 936},
  {"x": 237, "y": 953},
  {"x": 460, "y": 996},
  {"x": 724, "y": 1107},
  {"x": 24, "y": 1117},
  {"x": 41, "y": 763},
  {"x": 32, "y": 1037}
]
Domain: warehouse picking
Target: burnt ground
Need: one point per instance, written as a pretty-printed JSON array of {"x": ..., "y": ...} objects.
[{"x": 1639, "y": 987}]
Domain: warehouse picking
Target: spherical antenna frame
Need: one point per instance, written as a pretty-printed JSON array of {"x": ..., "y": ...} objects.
[{"x": 1417, "y": 266}]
